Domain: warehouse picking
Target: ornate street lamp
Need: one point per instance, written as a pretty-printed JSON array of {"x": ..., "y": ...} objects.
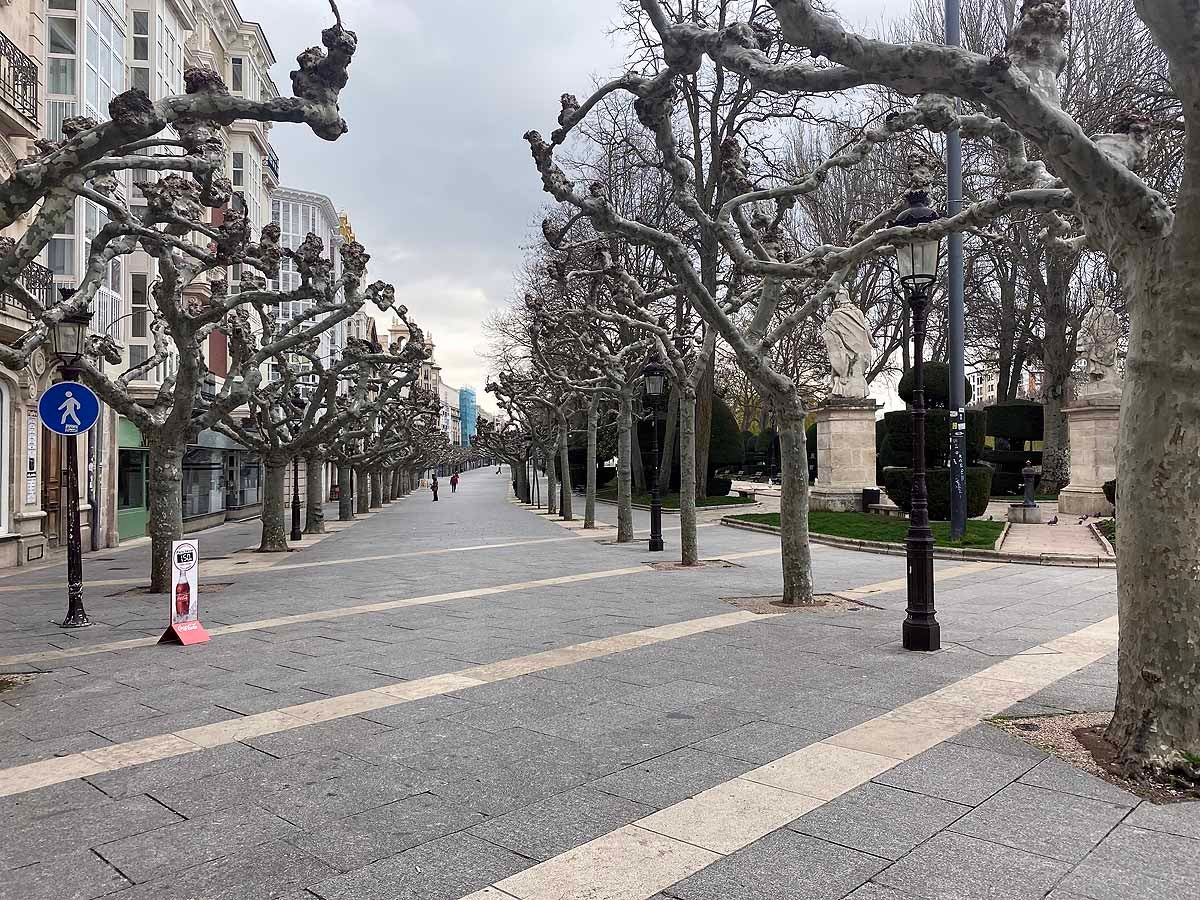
[
  {"x": 297, "y": 534},
  {"x": 917, "y": 263},
  {"x": 654, "y": 391},
  {"x": 68, "y": 339}
]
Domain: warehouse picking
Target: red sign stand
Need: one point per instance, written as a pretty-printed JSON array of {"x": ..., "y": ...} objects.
[{"x": 184, "y": 633}]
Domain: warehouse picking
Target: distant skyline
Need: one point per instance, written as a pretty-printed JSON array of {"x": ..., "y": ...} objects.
[{"x": 433, "y": 173}]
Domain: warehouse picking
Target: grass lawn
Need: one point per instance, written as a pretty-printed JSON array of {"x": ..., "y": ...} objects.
[
  {"x": 868, "y": 527},
  {"x": 671, "y": 501},
  {"x": 1016, "y": 498}
]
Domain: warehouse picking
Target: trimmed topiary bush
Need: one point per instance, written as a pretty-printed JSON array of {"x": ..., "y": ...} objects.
[
  {"x": 897, "y": 482},
  {"x": 725, "y": 447},
  {"x": 896, "y": 449},
  {"x": 937, "y": 386}
]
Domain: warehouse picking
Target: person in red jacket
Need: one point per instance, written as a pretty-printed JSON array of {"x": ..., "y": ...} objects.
[{"x": 454, "y": 483}]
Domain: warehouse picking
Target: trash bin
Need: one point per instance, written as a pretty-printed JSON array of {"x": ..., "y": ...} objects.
[{"x": 871, "y": 497}]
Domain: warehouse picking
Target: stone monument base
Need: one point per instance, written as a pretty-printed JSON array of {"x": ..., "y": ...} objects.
[
  {"x": 1019, "y": 514},
  {"x": 1093, "y": 426},
  {"x": 845, "y": 455}
]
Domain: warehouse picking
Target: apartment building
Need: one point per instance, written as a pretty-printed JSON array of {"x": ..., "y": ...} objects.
[
  {"x": 451, "y": 415},
  {"x": 468, "y": 414}
]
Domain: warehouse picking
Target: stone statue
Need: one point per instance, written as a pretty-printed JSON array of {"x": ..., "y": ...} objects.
[
  {"x": 1099, "y": 334},
  {"x": 851, "y": 352}
]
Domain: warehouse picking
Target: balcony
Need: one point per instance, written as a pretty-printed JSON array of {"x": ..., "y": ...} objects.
[
  {"x": 272, "y": 162},
  {"x": 18, "y": 91},
  {"x": 39, "y": 282}
]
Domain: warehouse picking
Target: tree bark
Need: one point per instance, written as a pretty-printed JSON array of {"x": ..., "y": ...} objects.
[
  {"x": 551, "y": 481},
  {"x": 345, "y": 495},
  {"x": 314, "y": 489},
  {"x": 166, "y": 509},
  {"x": 362, "y": 491},
  {"x": 704, "y": 415},
  {"x": 1156, "y": 726},
  {"x": 564, "y": 464},
  {"x": 689, "y": 552},
  {"x": 625, "y": 472},
  {"x": 667, "y": 465},
  {"x": 274, "y": 529},
  {"x": 793, "y": 505},
  {"x": 376, "y": 482},
  {"x": 1058, "y": 358},
  {"x": 638, "y": 468},
  {"x": 589, "y": 502}
]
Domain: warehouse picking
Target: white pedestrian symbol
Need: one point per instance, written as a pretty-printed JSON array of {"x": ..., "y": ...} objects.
[{"x": 71, "y": 405}]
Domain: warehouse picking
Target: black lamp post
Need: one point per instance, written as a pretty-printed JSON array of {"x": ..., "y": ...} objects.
[
  {"x": 296, "y": 535},
  {"x": 654, "y": 389},
  {"x": 917, "y": 261},
  {"x": 68, "y": 339}
]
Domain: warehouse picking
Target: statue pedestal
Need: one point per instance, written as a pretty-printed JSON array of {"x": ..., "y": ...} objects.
[
  {"x": 845, "y": 455},
  {"x": 1093, "y": 426}
]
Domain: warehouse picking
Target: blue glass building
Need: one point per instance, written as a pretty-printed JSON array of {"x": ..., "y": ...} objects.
[{"x": 468, "y": 415}]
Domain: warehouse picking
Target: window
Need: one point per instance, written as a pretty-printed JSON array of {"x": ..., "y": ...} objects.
[
  {"x": 62, "y": 4},
  {"x": 105, "y": 60},
  {"x": 60, "y": 252},
  {"x": 138, "y": 354},
  {"x": 139, "y": 75},
  {"x": 140, "y": 302},
  {"x": 131, "y": 479},
  {"x": 239, "y": 169},
  {"x": 61, "y": 49},
  {"x": 237, "y": 76}
]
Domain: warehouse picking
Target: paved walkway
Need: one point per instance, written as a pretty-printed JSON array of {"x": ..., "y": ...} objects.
[{"x": 465, "y": 699}]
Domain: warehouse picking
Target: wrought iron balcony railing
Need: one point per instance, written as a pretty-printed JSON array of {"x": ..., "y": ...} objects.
[
  {"x": 37, "y": 281},
  {"x": 273, "y": 162},
  {"x": 18, "y": 79}
]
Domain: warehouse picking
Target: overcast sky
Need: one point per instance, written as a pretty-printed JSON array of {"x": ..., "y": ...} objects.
[{"x": 434, "y": 173}]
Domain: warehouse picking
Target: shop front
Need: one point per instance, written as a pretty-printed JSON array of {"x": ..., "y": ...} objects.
[{"x": 133, "y": 480}]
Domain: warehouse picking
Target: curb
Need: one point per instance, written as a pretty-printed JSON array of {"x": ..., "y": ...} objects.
[
  {"x": 1104, "y": 542},
  {"x": 888, "y": 549},
  {"x": 674, "y": 512}
]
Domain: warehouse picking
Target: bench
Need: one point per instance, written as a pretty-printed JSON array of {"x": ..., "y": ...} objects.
[{"x": 743, "y": 493}]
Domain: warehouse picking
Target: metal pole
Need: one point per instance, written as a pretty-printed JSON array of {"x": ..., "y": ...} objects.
[
  {"x": 76, "y": 616},
  {"x": 656, "y": 539},
  {"x": 921, "y": 630},
  {"x": 958, "y": 402},
  {"x": 296, "y": 533}
]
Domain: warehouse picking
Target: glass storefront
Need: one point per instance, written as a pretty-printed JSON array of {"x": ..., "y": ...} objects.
[
  {"x": 243, "y": 480},
  {"x": 203, "y": 482}
]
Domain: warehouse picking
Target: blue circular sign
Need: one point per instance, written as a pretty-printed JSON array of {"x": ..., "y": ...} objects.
[{"x": 69, "y": 408}]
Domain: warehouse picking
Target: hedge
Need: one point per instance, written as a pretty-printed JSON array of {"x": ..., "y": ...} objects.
[
  {"x": 1017, "y": 420},
  {"x": 897, "y": 482},
  {"x": 1110, "y": 492},
  {"x": 896, "y": 449},
  {"x": 937, "y": 386},
  {"x": 719, "y": 487}
]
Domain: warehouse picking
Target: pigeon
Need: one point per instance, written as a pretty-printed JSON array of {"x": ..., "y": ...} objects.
[
  {"x": 1081, "y": 521},
  {"x": 989, "y": 518},
  {"x": 1053, "y": 521}
]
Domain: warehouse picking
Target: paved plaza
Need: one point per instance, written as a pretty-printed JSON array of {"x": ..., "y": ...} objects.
[{"x": 468, "y": 699}]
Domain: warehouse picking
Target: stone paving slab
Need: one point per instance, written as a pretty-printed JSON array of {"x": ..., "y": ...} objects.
[{"x": 446, "y": 795}]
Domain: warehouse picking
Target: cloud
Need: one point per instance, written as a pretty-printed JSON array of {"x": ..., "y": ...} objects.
[{"x": 434, "y": 172}]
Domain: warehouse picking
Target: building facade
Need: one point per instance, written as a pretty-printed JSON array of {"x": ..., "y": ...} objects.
[
  {"x": 468, "y": 414},
  {"x": 451, "y": 416}
]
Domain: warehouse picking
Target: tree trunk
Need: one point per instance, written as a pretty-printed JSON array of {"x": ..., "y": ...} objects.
[
  {"x": 638, "y": 468},
  {"x": 314, "y": 491},
  {"x": 589, "y": 502},
  {"x": 793, "y": 504},
  {"x": 625, "y": 435},
  {"x": 704, "y": 415},
  {"x": 362, "y": 491},
  {"x": 667, "y": 463},
  {"x": 689, "y": 553},
  {"x": 345, "y": 494},
  {"x": 1058, "y": 358},
  {"x": 1156, "y": 726},
  {"x": 166, "y": 509},
  {"x": 274, "y": 528},
  {"x": 376, "y": 482},
  {"x": 564, "y": 464},
  {"x": 551, "y": 481}
]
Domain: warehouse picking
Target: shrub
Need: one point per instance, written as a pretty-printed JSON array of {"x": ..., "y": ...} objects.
[
  {"x": 725, "y": 447},
  {"x": 1110, "y": 492},
  {"x": 896, "y": 449},
  {"x": 937, "y": 386},
  {"x": 719, "y": 487},
  {"x": 897, "y": 482},
  {"x": 1017, "y": 420}
]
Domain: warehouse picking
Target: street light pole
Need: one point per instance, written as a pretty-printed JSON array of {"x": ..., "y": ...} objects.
[
  {"x": 296, "y": 533},
  {"x": 654, "y": 389},
  {"x": 917, "y": 261},
  {"x": 77, "y": 617}
]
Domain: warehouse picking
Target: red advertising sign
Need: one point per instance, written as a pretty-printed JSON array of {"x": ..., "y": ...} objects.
[{"x": 185, "y": 596}]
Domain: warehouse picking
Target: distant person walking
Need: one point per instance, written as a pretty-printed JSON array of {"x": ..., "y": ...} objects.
[
  {"x": 434, "y": 487},
  {"x": 454, "y": 483}
]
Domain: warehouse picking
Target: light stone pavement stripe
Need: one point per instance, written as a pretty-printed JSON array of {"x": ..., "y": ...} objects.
[
  {"x": 53, "y": 771},
  {"x": 31, "y": 776},
  {"x": 257, "y": 565},
  {"x": 342, "y": 612},
  {"x": 646, "y": 857}
]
